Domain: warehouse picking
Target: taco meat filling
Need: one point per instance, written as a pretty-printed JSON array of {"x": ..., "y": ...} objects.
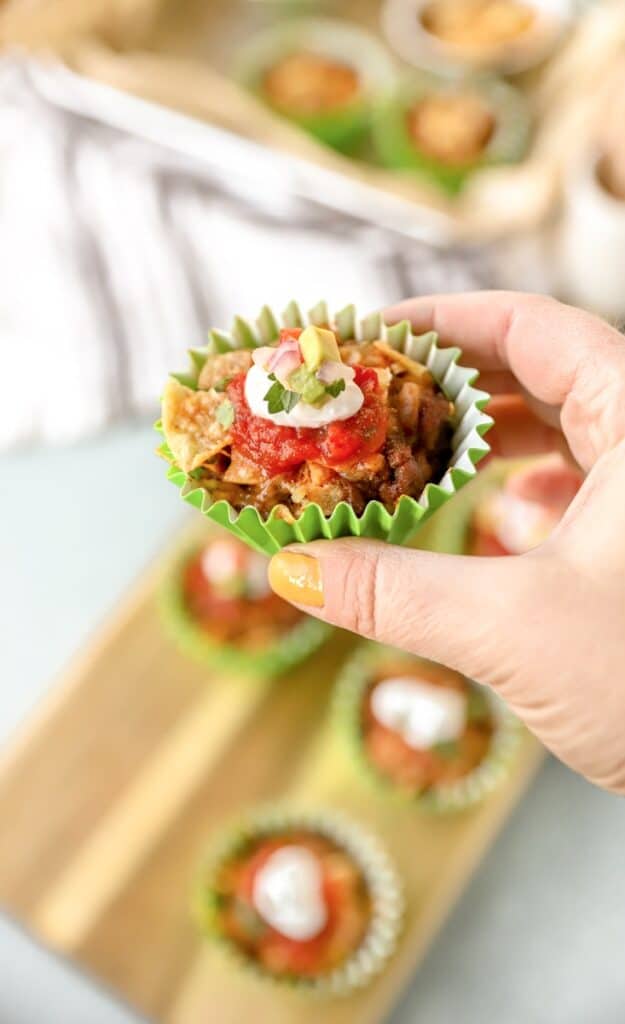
[
  {"x": 304, "y": 84},
  {"x": 452, "y": 128}
]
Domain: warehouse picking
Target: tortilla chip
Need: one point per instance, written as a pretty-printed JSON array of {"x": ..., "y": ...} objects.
[
  {"x": 224, "y": 367},
  {"x": 404, "y": 362},
  {"x": 363, "y": 353},
  {"x": 190, "y": 425},
  {"x": 242, "y": 471}
]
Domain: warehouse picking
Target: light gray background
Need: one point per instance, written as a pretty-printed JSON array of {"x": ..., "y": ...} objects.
[{"x": 539, "y": 937}]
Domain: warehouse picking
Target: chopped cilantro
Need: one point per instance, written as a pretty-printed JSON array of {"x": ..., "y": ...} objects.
[
  {"x": 225, "y": 413},
  {"x": 273, "y": 398},
  {"x": 290, "y": 400},
  {"x": 222, "y": 384},
  {"x": 278, "y": 398},
  {"x": 335, "y": 387}
]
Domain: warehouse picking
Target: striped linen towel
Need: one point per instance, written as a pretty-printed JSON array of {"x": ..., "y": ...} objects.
[{"x": 115, "y": 258}]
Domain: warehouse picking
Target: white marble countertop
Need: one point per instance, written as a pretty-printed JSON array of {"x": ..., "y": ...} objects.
[{"x": 538, "y": 937}]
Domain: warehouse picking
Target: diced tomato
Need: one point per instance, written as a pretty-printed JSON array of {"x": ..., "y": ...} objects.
[
  {"x": 276, "y": 449},
  {"x": 362, "y": 434}
]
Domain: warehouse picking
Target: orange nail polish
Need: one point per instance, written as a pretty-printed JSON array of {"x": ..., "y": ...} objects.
[{"x": 297, "y": 578}]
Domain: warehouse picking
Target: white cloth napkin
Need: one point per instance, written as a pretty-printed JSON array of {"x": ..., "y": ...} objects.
[{"x": 115, "y": 258}]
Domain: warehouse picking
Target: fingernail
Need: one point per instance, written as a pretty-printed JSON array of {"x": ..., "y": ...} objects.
[{"x": 297, "y": 578}]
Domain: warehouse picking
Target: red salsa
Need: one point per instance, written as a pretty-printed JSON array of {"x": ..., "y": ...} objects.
[{"x": 280, "y": 449}]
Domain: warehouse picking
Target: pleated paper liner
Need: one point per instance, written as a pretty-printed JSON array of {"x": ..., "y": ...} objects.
[
  {"x": 342, "y": 128},
  {"x": 385, "y": 891},
  {"x": 398, "y": 527},
  {"x": 397, "y": 149},
  {"x": 291, "y": 648},
  {"x": 464, "y": 793}
]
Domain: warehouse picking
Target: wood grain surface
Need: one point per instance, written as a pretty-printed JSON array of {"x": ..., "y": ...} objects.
[{"x": 110, "y": 794}]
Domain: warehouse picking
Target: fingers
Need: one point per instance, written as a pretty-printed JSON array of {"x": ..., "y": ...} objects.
[
  {"x": 562, "y": 356},
  {"x": 550, "y": 482},
  {"x": 538, "y": 339},
  {"x": 415, "y": 600}
]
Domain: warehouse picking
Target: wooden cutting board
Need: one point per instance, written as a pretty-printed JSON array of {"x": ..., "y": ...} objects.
[
  {"x": 109, "y": 795},
  {"x": 185, "y": 58}
]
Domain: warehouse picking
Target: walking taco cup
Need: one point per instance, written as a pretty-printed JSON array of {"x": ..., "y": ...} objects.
[
  {"x": 217, "y": 605},
  {"x": 306, "y": 899},
  {"x": 323, "y": 75},
  {"x": 325, "y": 428},
  {"x": 421, "y": 732}
]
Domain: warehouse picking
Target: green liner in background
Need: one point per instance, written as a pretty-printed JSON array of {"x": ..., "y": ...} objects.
[
  {"x": 293, "y": 647},
  {"x": 387, "y": 902},
  {"x": 466, "y": 792},
  {"x": 396, "y": 148},
  {"x": 343, "y": 128},
  {"x": 468, "y": 445}
]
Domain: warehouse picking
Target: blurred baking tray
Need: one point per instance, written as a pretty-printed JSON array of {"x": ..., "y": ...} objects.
[
  {"x": 52, "y": 23},
  {"x": 178, "y": 54},
  {"x": 109, "y": 796},
  {"x": 235, "y": 162}
]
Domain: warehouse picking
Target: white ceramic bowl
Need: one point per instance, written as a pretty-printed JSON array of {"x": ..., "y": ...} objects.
[
  {"x": 405, "y": 32},
  {"x": 591, "y": 243}
]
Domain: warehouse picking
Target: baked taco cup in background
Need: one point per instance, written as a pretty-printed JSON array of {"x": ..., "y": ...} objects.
[
  {"x": 198, "y": 436},
  {"x": 445, "y": 129},
  {"x": 490, "y": 519},
  {"x": 421, "y": 731},
  {"x": 321, "y": 74},
  {"x": 504, "y": 523},
  {"x": 329, "y": 928},
  {"x": 217, "y": 605}
]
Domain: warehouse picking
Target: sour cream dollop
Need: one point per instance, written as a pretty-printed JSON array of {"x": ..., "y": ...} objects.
[
  {"x": 421, "y": 713},
  {"x": 287, "y": 893},
  {"x": 257, "y": 384}
]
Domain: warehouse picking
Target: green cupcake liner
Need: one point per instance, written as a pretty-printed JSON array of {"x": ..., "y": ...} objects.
[
  {"x": 387, "y": 902},
  {"x": 343, "y": 128},
  {"x": 293, "y": 647},
  {"x": 270, "y": 534},
  {"x": 457, "y": 796},
  {"x": 396, "y": 149}
]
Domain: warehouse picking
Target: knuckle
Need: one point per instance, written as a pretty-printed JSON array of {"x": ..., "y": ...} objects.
[{"x": 361, "y": 595}]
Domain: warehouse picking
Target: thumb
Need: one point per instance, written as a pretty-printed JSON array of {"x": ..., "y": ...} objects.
[{"x": 457, "y": 610}]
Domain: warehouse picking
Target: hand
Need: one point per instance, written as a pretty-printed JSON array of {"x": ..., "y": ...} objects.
[{"x": 545, "y": 629}]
